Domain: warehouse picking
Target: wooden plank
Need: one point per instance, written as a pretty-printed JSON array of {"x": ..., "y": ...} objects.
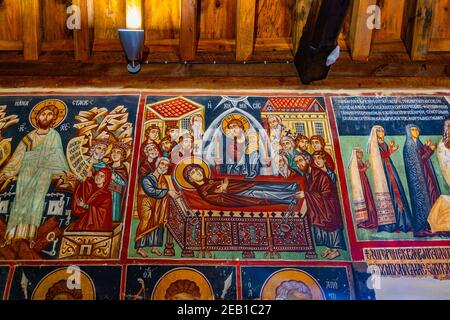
[
  {"x": 245, "y": 34},
  {"x": 31, "y": 29},
  {"x": 107, "y": 45},
  {"x": 162, "y": 19},
  {"x": 57, "y": 45},
  {"x": 392, "y": 20},
  {"x": 109, "y": 16},
  {"x": 10, "y": 28},
  {"x": 440, "y": 34},
  {"x": 203, "y": 45},
  {"x": 11, "y": 45},
  {"x": 189, "y": 29},
  {"x": 320, "y": 39},
  {"x": 218, "y": 19},
  {"x": 360, "y": 37},
  {"x": 227, "y": 77},
  {"x": 437, "y": 45},
  {"x": 419, "y": 15},
  {"x": 54, "y": 20},
  {"x": 274, "y": 18},
  {"x": 83, "y": 37},
  {"x": 300, "y": 16}
]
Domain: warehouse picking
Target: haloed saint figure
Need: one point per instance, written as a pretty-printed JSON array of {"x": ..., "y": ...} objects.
[{"x": 38, "y": 158}]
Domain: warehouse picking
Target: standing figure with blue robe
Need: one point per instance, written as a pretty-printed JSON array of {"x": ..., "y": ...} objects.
[
  {"x": 422, "y": 181},
  {"x": 393, "y": 212}
]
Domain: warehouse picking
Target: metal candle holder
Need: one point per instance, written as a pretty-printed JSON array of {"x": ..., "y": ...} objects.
[{"x": 132, "y": 41}]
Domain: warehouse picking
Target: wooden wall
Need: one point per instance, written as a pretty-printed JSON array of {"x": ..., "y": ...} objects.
[{"x": 228, "y": 30}]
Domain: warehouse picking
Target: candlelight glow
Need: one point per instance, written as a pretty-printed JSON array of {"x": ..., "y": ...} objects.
[{"x": 134, "y": 17}]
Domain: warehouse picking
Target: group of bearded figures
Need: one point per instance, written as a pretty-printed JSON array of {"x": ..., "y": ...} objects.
[
  {"x": 382, "y": 205},
  {"x": 291, "y": 160}
]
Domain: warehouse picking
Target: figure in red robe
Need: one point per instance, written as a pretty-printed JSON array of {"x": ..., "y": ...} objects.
[
  {"x": 239, "y": 193},
  {"x": 92, "y": 203},
  {"x": 323, "y": 207}
]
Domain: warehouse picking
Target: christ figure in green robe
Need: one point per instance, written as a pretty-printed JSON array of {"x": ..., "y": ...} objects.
[{"x": 38, "y": 158}]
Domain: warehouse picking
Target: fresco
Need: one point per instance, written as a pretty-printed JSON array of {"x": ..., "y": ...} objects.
[
  {"x": 4, "y": 271},
  {"x": 209, "y": 197},
  {"x": 64, "y": 171},
  {"x": 237, "y": 177},
  {"x": 395, "y": 153},
  {"x": 158, "y": 282},
  {"x": 296, "y": 283},
  {"x": 66, "y": 283}
]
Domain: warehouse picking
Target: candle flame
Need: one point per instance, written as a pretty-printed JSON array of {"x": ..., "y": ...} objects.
[{"x": 134, "y": 19}]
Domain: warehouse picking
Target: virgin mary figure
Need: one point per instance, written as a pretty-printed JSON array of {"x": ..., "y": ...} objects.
[{"x": 390, "y": 199}]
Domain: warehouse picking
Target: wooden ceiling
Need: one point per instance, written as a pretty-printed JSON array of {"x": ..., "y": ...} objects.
[{"x": 226, "y": 31}]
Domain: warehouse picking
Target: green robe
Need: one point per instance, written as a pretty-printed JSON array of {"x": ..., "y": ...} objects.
[{"x": 37, "y": 159}]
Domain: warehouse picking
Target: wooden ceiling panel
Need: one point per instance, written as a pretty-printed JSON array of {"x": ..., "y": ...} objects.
[
  {"x": 274, "y": 18},
  {"x": 109, "y": 16},
  {"x": 440, "y": 33},
  {"x": 162, "y": 20},
  {"x": 54, "y": 20},
  {"x": 218, "y": 19},
  {"x": 219, "y": 30},
  {"x": 11, "y": 26}
]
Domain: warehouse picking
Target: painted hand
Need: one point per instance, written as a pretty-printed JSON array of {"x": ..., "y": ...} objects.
[
  {"x": 300, "y": 195},
  {"x": 80, "y": 202},
  {"x": 71, "y": 176}
]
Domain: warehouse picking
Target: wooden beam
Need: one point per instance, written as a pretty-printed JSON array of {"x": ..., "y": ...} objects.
[
  {"x": 320, "y": 39},
  {"x": 189, "y": 29},
  {"x": 83, "y": 37},
  {"x": 360, "y": 37},
  {"x": 300, "y": 17},
  {"x": 31, "y": 29},
  {"x": 419, "y": 16},
  {"x": 11, "y": 45},
  {"x": 245, "y": 33}
]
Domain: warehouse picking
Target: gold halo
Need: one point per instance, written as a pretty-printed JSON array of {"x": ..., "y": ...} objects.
[
  {"x": 87, "y": 285},
  {"x": 60, "y": 105},
  {"x": 269, "y": 289},
  {"x": 206, "y": 292},
  {"x": 179, "y": 170},
  {"x": 235, "y": 116}
]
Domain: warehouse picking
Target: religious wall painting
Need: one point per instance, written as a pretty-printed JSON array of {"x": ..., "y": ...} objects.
[
  {"x": 66, "y": 283},
  {"x": 237, "y": 177},
  {"x": 4, "y": 272},
  {"x": 394, "y": 151},
  {"x": 159, "y": 282},
  {"x": 64, "y": 175},
  {"x": 296, "y": 283}
]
